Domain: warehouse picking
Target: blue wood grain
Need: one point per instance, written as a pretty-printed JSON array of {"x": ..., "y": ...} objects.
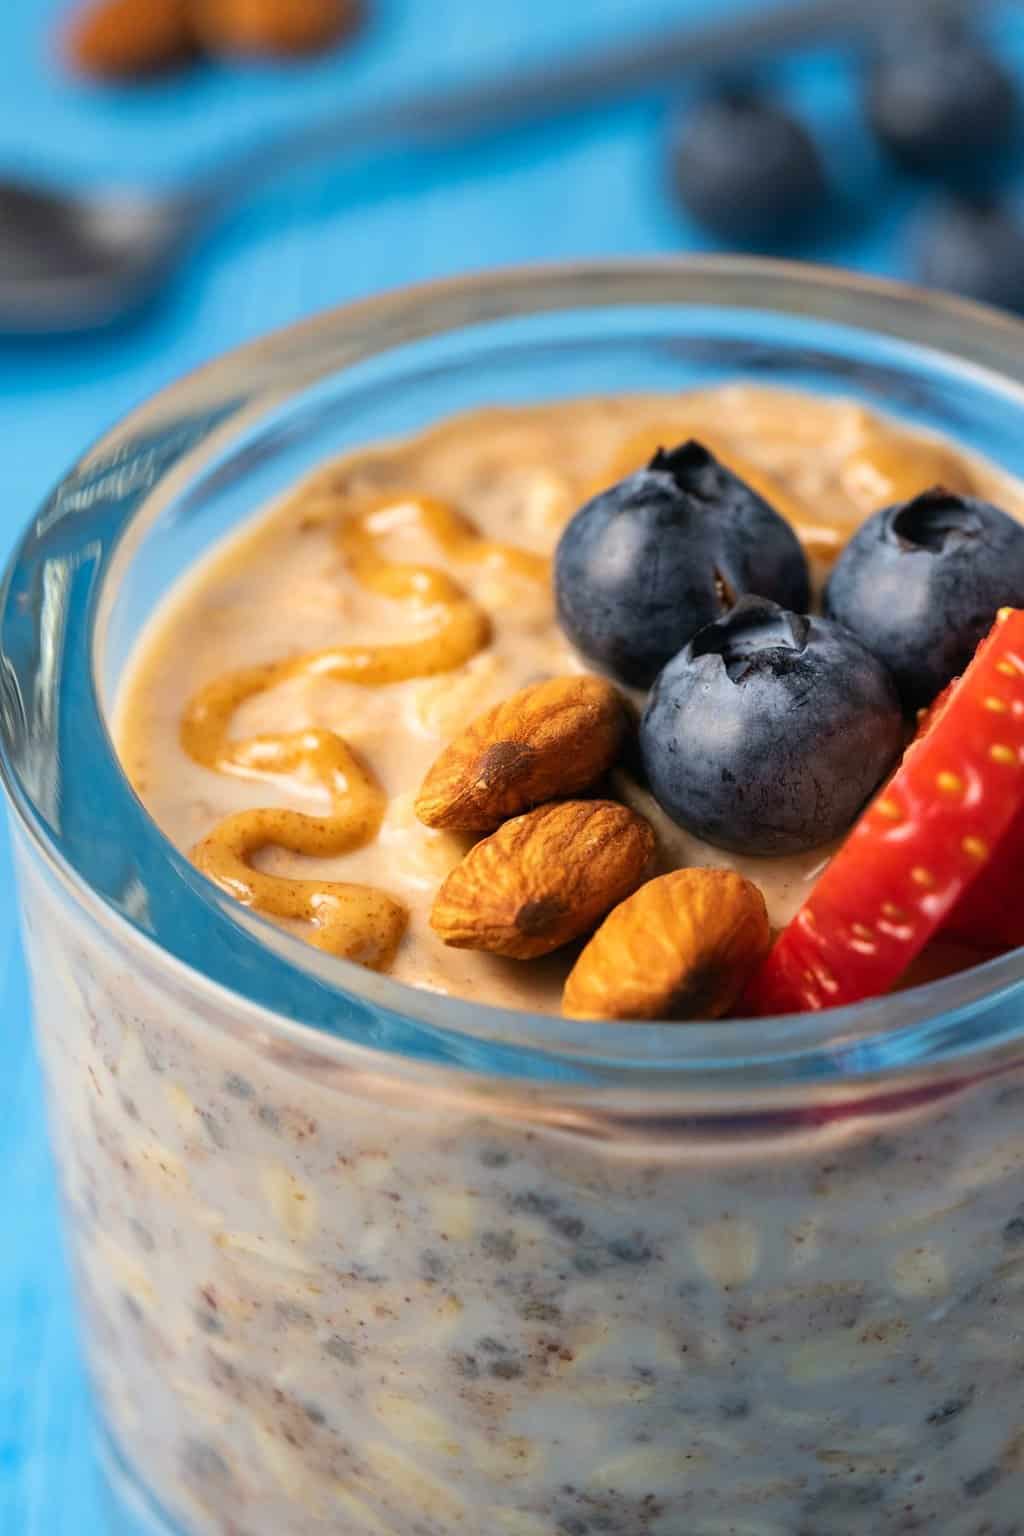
[{"x": 596, "y": 186}]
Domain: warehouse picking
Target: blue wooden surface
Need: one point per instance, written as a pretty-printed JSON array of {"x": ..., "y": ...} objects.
[{"x": 586, "y": 187}]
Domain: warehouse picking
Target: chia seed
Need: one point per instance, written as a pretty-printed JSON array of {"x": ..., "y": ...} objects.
[
  {"x": 153, "y": 1055},
  {"x": 213, "y": 1128},
  {"x": 238, "y": 1087},
  {"x": 432, "y": 1266},
  {"x": 291, "y": 1314},
  {"x": 466, "y": 1366},
  {"x": 539, "y": 1311},
  {"x": 631, "y": 1250},
  {"x": 1013, "y": 1232},
  {"x": 532, "y": 1203},
  {"x": 340, "y": 1349},
  {"x": 142, "y": 1235},
  {"x": 950, "y": 1409},
  {"x": 505, "y": 1370},
  {"x": 611, "y": 1514},
  {"x": 202, "y": 1463},
  {"x": 502, "y": 1246},
  {"x": 982, "y": 1482}
]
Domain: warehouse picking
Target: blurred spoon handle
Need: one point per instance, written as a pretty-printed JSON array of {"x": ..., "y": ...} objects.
[{"x": 623, "y": 69}]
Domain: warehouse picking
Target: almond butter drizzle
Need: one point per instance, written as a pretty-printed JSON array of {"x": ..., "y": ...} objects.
[
  {"x": 357, "y": 922},
  {"x": 883, "y": 469},
  {"x": 820, "y": 538}
]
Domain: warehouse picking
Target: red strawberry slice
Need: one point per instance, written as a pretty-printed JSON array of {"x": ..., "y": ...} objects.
[
  {"x": 990, "y": 914},
  {"x": 924, "y": 842}
]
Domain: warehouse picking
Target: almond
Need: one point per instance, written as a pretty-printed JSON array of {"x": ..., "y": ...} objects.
[
  {"x": 543, "y": 879},
  {"x": 555, "y": 738},
  {"x": 123, "y": 39},
  {"x": 274, "y": 26},
  {"x": 683, "y": 947}
]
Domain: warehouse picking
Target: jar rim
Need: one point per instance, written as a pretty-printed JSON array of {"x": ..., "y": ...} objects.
[{"x": 930, "y": 1026}]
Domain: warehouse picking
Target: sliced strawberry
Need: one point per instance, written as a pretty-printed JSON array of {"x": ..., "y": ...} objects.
[
  {"x": 922, "y": 843},
  {"x": 990, "y": 914}
]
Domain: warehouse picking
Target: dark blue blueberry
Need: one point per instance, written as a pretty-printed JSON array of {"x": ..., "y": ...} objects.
[
  {"x": 921, "y": 583},
  {"x": 651, "y": 560},
  {"x": 769, "y": 731},
  {"x": 746, "y": 169},
  {"x": 974, "y": 248},
  {"x": 939, "y": 101}
]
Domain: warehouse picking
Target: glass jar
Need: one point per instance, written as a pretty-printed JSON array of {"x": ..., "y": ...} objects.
[{"x": 358, "y": 1259}]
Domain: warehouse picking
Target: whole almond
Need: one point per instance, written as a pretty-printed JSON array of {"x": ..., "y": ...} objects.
[
  {"x": 125, "y": 39},
  {"x": 543, "y": 879},
  {"x": 682, "y": 947},
  {"x": 556, "y": 738},
  {"x": 276, "y": 27}
]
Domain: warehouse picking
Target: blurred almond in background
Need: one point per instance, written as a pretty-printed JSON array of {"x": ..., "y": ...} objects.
[
  {"x": 122, "y": 39},
  {"x": 132, "y": 39},
  {"x": 273, "y": 26}
]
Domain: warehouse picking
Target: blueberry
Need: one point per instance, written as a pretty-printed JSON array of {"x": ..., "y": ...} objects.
[
  {"x": 769, "y": 731},
  {"x": 939, "y": 101},
  {"x": 921, "y": 583},
  {"x": 745, "y": 168},
  {"x": 974, "y": 247},
  {"x": 646, "y": 563}
]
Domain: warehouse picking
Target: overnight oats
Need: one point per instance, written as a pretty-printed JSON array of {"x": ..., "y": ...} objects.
[
  {"x": 681, "y": 707},
  {"x": 606, "y": 670}
]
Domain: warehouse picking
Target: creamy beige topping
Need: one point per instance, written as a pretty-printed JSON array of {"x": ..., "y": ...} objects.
[{"x": 289, "y": 700}]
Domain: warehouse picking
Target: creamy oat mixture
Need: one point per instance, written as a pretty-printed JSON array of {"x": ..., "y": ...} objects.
[
  {"x": 317, "y": 1300},
  {"x": 442, "y": 544}
]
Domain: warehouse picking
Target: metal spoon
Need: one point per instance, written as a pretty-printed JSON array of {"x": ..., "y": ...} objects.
[{"x": 73, "y": 263}]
